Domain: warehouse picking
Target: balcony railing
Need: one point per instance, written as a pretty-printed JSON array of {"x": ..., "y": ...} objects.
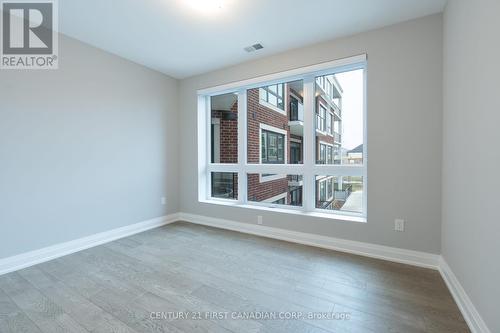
[
  {"x": 344, "y": 193},
  {"x": 295, "y": 178},
  {"x": 337, "y": 137},
  {"x": 336, "y": 108}
]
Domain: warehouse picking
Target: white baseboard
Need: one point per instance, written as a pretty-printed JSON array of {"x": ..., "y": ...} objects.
[
  {"x": 31, "y": 258},
  {"x": 464, "y": 303},
  {"x": 415, "y": 258}
]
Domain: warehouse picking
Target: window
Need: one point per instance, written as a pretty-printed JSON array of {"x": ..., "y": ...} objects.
[
  {"x": 321, "y": 118},
  {"x": 273, "y": 147},
  {"x": 298, "y": 159},
  {"x": 322, "y": 154},
  {"x": 294, "y": 109},
  {"x": 224, "y": 185},
  {"x": 326, "y": 153},
  {"x": 277, "y": 190},
  {"x": 328, "y": 88},
  {"x": 343, "y": 194},
  {"x": 273, "y": 95},
  {"x": 296, "y": 196},
  {"x": 329, "y": 123},
  {"x": 295, "y": 152},
  {"x": 224, "y": 128},
  {"x": 329, "y": 155}
]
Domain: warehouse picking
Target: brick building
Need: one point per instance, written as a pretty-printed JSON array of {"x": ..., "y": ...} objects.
[{"x": 275, "y": 130}]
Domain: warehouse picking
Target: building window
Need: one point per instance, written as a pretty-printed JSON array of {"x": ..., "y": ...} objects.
[
  {"x": 329, "y": 155},
  {"x": 321, "y": 118},
  {"x": 322, "y": 190},
  {"x": 295, "y": 152},
  {"x": 272, "y": 147},
  {"x": 273, "y": 95},
  {"x": 294, "y": 110},
  {"x": 329, "y": 123},
  {"x": 326, "y": 154},
  {"x": 322, "y": 154},
  {"x": 252, "y": 155},
  {"x": 296, "y": 196}
]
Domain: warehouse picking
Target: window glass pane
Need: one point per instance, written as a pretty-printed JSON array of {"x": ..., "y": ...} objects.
[
  {"x": 339, "y": 105},
  {"x": 275, "y": 116},
  {"x": 273, "y": 100},
  {"x": 339, "y": 193},
  {"x": 224, "y": 185},
  {"x": 275, "y": 189},
  {"x": 224, "y": 128}
]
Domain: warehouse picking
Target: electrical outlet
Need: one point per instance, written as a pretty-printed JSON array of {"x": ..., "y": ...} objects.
[
  {"x": 399, "y": 225},
  {"x": 163, "y": 200},
  {"x": 259, "y": 219}
]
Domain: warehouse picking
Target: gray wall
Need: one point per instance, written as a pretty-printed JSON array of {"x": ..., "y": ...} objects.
[
  {"x": 404, "y": 135},
  {"x": 471, "y": 156},
  {"x": 84, "y": 149}
]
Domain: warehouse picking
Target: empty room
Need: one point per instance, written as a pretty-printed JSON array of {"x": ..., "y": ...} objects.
[{"x": 249, "y": 166}]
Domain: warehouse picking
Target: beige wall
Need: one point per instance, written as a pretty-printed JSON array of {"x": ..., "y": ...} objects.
[
  {"x": 84, "y": 149},
  {"x": 404, "y": 135},
  {"x": 471, "y": 156}
]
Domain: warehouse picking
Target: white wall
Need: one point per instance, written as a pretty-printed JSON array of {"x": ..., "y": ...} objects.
[
  {"x": 84, "y": 149},
  {"x": 404, "y": 135},
  {"x": 471, "y": 156}
]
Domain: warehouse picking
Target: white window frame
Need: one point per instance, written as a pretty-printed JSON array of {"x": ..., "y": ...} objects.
[
  {"x": 269, "y": 128},
  {"x": 325, "y": 180},
  {"x": 309, "y": 170},
  {"x": 272, "y": 106},
  {"x": 322, "y": 131},
  {"x": 326, "y": 144},
  {"x": 263, "y": 178},
  {"x": 329, "y": 122}
]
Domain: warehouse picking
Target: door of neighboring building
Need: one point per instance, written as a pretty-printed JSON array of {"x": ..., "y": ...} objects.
[{"x": 295, "y": 152}]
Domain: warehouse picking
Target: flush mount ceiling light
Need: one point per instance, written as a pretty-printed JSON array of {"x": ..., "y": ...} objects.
[{"x": 206, "y": 6}]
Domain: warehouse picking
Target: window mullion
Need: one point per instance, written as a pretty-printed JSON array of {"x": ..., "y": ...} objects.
[
  {"x": 204, "y": 114},
  {"x": 242, "y": 146},
  {"x": 308, "y": 197}
]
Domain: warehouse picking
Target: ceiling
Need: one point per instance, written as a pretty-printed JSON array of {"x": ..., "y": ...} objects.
[{"x": 181, "y": 39}]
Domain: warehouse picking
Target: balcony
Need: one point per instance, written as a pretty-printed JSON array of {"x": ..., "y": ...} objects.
[
  {"x": 337, "y": 137},
  {"x": 337, "y": 110},
  {"x": 342, "y": 194},
  {"x": 295, "y": 180}
]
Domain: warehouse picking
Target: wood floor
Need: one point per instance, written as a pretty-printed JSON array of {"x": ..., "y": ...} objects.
[{"x": 141, "y": 283}]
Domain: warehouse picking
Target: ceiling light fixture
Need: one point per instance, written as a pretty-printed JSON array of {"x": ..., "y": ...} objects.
[{"x": 206, "y": 6}]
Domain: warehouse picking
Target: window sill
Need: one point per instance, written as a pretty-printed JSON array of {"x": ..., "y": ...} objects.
[
  {"x": 295, "y": 211},
  {"x": 264, "y": 179},
  {"x": 272, "y": 107}
]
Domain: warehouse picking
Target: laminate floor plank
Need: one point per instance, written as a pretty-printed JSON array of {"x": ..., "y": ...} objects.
[
  {"x": 223, "y": 281},
  {"x": 47, "y": 315},
  {"x": 87, "y": 314},
  {"x": 12, "y": 318}
]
